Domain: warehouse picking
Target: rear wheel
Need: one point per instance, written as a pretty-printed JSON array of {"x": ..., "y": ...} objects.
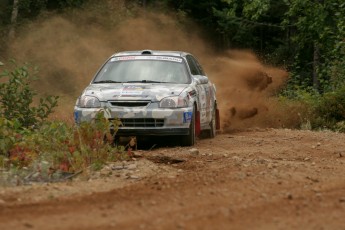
[{"x": 189, "y": 140}]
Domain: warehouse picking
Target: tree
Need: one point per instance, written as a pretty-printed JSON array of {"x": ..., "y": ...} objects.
[
  {"x": 317, "y": 37},
  {"x": 307, "y": 36},
  {"x": 14, "y": 16}
]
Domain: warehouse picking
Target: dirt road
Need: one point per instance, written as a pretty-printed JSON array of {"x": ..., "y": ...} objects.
[{"x": 254, "y": 179}]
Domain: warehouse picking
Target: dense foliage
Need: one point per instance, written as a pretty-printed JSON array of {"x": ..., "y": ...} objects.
[{"x": 306, "y": 36}]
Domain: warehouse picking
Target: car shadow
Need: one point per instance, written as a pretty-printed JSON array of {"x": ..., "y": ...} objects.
[{"x": 150, "y": 142}]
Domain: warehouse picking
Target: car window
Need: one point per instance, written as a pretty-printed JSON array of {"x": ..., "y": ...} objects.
[
  {"x": 192, "y": 66},
  {"x": 200, "y": 70},
  {"x": 144, "y": 70}
]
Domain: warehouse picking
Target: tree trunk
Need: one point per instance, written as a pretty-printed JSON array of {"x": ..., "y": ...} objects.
[
  {"x": 316, "y": 66},
  {"x": 14, "y": 16}
]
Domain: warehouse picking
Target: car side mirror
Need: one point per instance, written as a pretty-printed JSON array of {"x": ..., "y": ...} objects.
[{"x": 200, "y": 79}]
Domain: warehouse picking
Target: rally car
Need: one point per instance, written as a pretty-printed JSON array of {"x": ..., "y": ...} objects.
[{"x": 153, "y": 93}]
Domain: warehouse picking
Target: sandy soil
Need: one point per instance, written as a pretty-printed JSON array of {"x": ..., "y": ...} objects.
[{"x": 254, "y": 179}]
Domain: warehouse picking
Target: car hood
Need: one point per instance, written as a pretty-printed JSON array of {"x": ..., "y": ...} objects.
[{"x": 126, "y": 91}]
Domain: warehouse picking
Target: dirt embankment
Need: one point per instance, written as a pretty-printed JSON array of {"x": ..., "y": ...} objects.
[{"x": 258, "y": 179}]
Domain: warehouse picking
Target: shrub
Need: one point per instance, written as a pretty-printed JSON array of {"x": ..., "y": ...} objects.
[
  {"x": 330, "y": 111},
  {"x": 33, "y": 146},
  {"x": 322, "y": 111},
  {"x": 91, "y": 144},
  {"x": 8, "y": 134},
  {"x": 56, "y": 148},
  {"x": 303, "y": 102},
  {"x": 7, "y": 137},
  {"x": 72, "y": 148},
  {"x": 17, "y": 97}
]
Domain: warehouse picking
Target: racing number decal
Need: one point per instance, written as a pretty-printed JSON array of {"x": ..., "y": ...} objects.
[{"x": 187, "y": 117}]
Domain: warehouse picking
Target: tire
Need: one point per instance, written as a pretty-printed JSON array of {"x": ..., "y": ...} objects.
[{"x": 189, "y": 140}]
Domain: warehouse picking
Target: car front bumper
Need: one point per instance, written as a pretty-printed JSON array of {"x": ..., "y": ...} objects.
[{"x": 143, "y": 121}]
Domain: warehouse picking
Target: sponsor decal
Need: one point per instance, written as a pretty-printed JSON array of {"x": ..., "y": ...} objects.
[
  {"x": 187, "y": 117},
  {"x": 76, "y": 116},
  {"x": 132, "y": 90},
  {"x": 192, "y": 93},
  {"x": 124, "y": 58},
  {"x": 161, "y": 58}
]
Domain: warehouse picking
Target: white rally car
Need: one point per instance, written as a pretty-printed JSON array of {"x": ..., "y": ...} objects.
[{"x": 153, "y": 93}]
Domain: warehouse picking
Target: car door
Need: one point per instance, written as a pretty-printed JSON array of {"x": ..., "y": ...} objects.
[{"x": 204, "y": 92}]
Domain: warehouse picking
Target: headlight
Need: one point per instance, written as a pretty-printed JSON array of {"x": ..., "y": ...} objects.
[
  {"x": 173, "y": 102},
  {"x": 88, "y": 102}
]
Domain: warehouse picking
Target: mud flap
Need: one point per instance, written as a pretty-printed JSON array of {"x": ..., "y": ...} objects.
[
  {"x": 197, "y": 123},
  {"x": 217, "y": 120}
]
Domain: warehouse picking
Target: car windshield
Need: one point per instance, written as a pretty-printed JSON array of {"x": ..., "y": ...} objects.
[{"x": 143, "y": 70}]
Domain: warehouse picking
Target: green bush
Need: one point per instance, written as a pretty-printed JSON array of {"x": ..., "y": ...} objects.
[
  {"x": 330, "y": 111},
  {"x": 17, "y": 97},
  {"x": 56, "y": 148},
  {"x": 66, "y": 147},
  {"x": 8, "y": 134},
  {"x": 28, "y": 140},
  {"x": 322, "y": 111}
]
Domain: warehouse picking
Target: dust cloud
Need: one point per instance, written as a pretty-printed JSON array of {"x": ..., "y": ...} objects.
[
  {"x": 246, "y": 89},
  {"x": 69, "y": 49}
]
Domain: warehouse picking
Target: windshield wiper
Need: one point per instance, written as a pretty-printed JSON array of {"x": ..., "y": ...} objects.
[
  {"x": 106, "y": 81},
  {"x": 144, "y": 81}
]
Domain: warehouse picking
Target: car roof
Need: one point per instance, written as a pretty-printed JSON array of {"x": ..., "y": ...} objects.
[{"x": 151, "y": 52}]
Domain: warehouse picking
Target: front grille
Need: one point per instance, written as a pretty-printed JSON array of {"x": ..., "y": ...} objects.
[
  {"x": 129, "y": 103},
  {"x": 142, "y": 122}
]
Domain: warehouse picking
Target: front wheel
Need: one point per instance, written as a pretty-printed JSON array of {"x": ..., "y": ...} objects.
[{"x": 189, "y": 140}]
